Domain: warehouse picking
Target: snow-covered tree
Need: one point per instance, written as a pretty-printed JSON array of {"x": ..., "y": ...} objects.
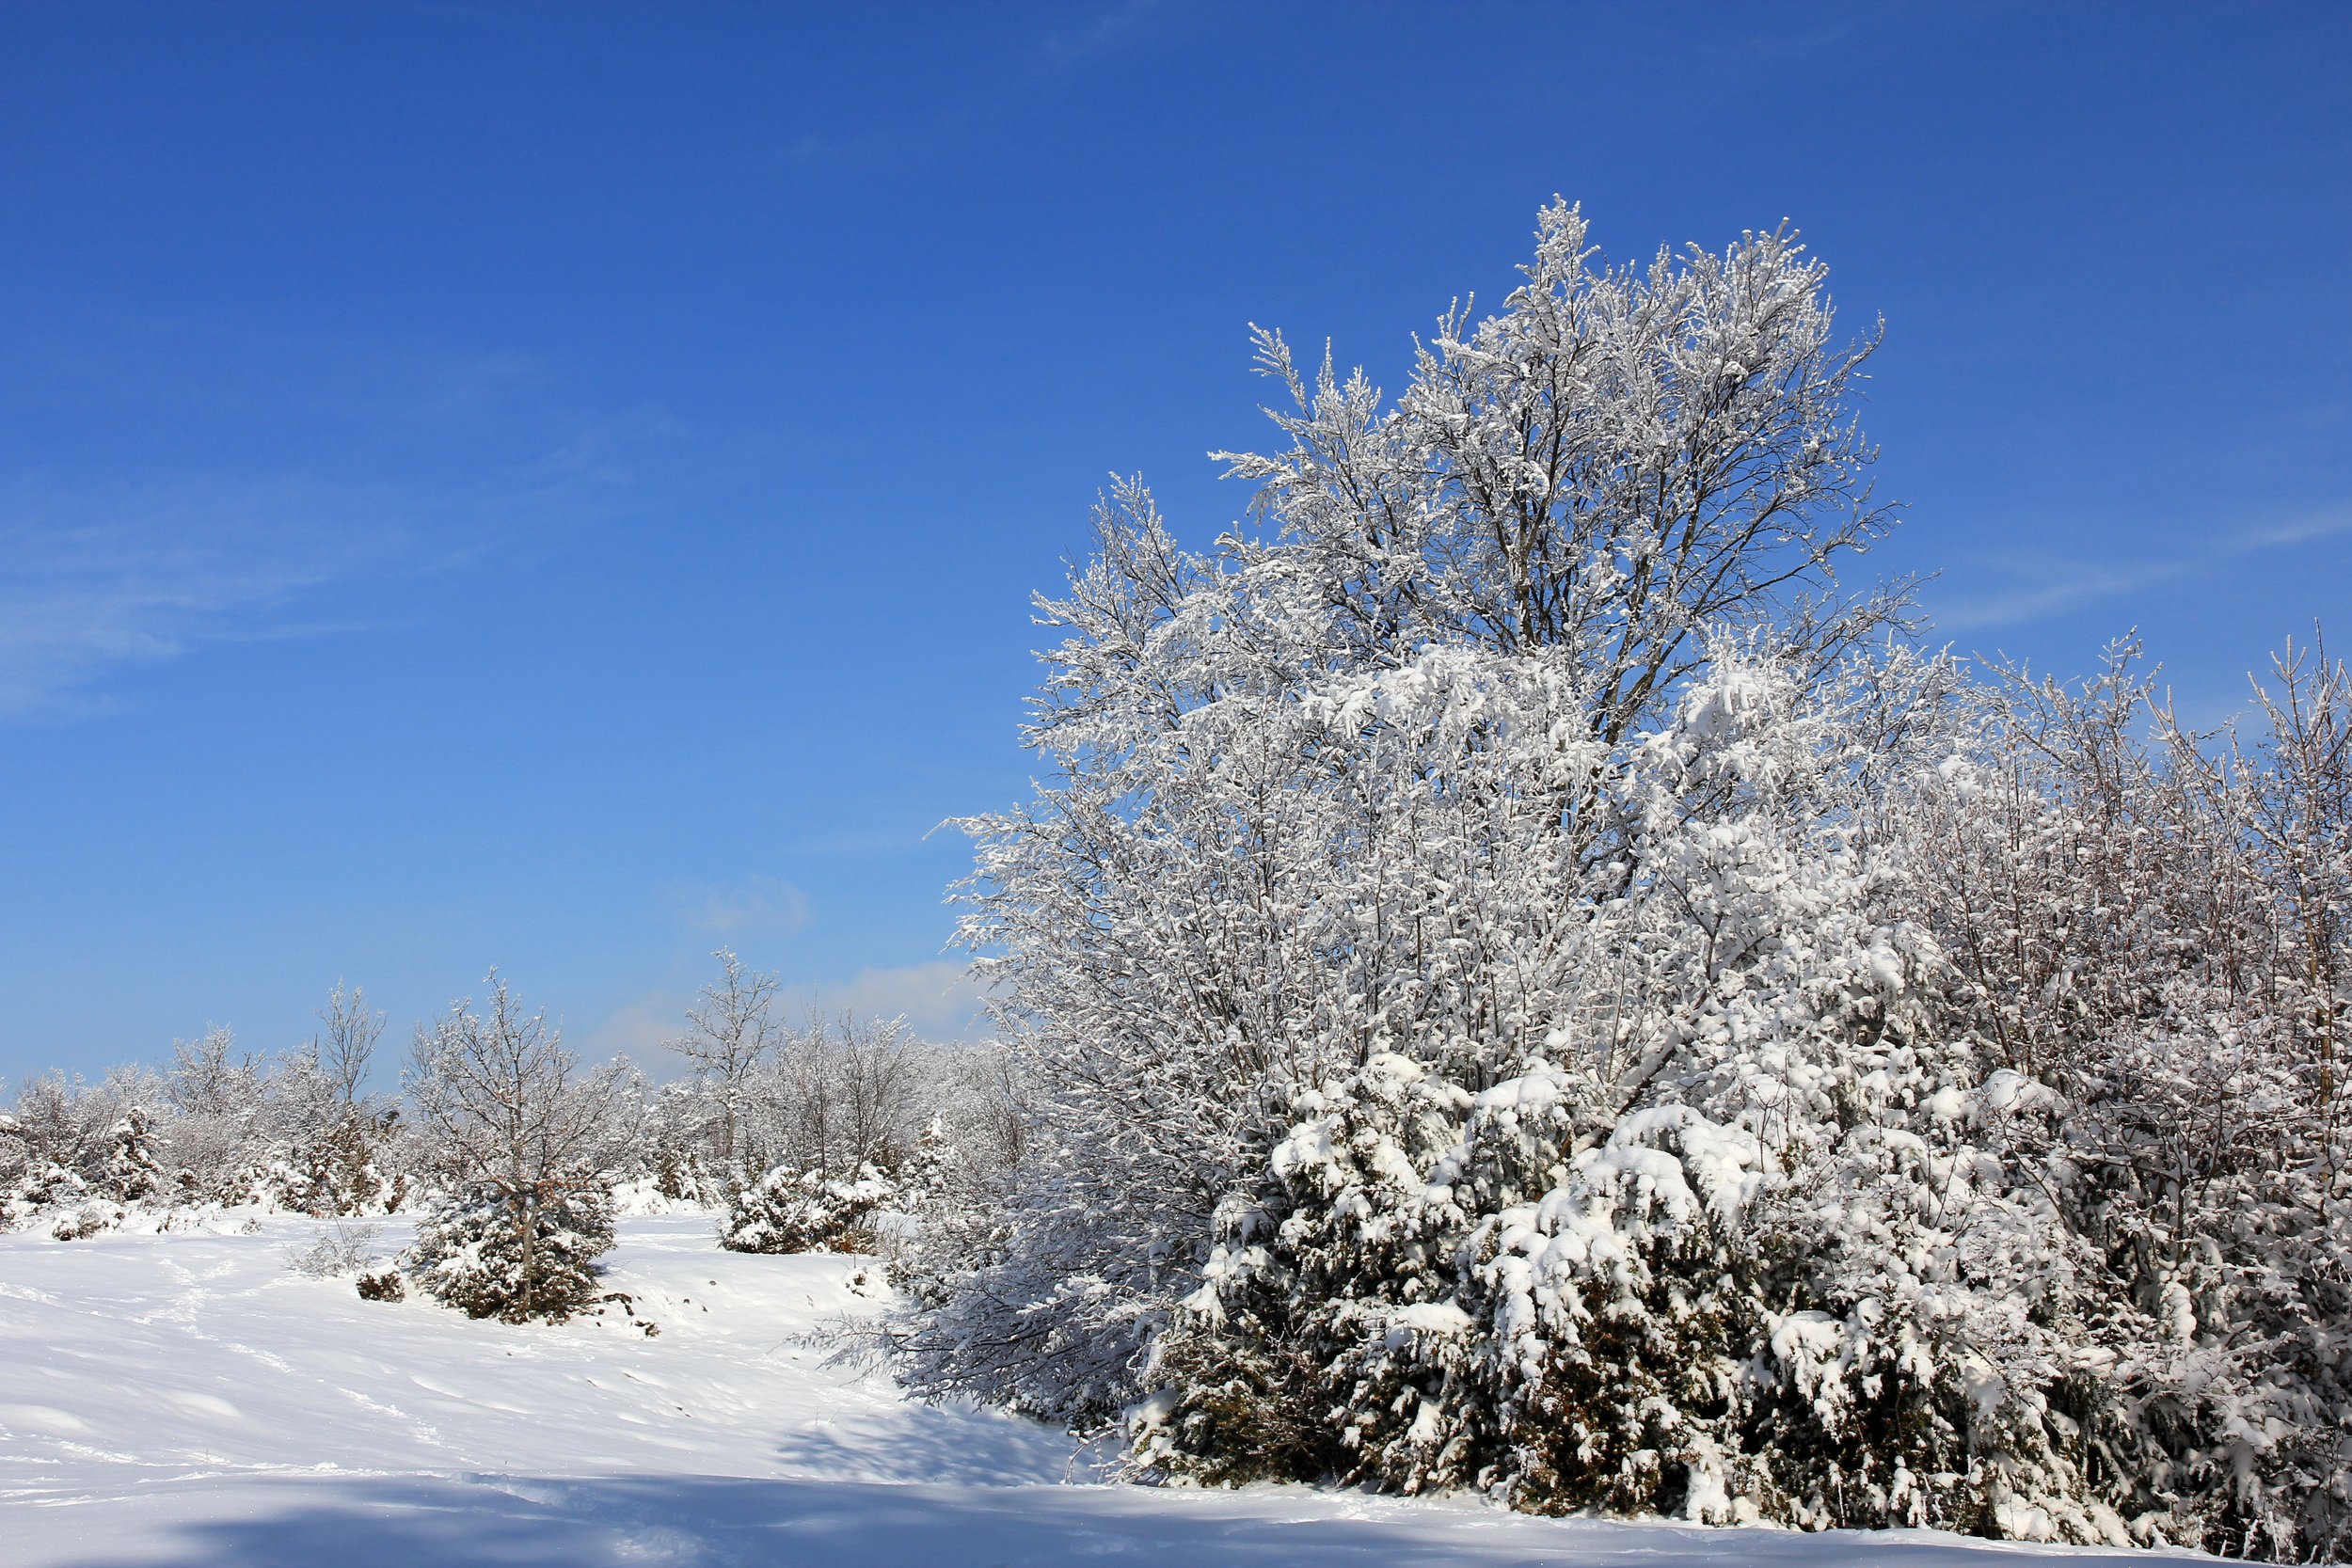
[
  {"x": 488, "y": 1257},
  {"x": 845, "y": 1108},
  {"x": 522, "y": 1136},
  {"x": 56, "y": 1139},
  {"x": 133, "y": 1169},
  {"x": 677, "y": 1144},
  {"x": 336, "y": 1147},
  {"x": 840, "y": 1092},
  {"x": 85, "y": 1149},
  {"x": 1345, "y": 785},
  {"x": 219, "y": 1138},
  {"x": 731, "y": 1032}
]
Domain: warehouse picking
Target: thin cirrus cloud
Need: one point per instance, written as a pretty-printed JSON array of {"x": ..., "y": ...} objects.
[
  {"x": 938, "y": 999},
  {"x": 97, "y": 579},
  {"x": 388, "y": 469},
  {"x": 1106, "y": 29},
  {"x": 2062, "y": 584},
  {"x": 768, "y": 904}
]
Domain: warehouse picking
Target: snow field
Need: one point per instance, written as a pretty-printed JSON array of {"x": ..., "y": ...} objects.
[{"x": 184, "y": 1399}]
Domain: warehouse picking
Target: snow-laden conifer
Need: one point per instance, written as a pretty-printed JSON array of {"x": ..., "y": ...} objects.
[
  {"x": 489, "y": 1255},
  {"x": 806, "y": 1210}
]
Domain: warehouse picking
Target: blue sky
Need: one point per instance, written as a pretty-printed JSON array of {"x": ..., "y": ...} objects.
[{"x": 560, "y": 486}]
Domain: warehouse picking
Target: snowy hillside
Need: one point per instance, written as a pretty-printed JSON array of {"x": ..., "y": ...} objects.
[{"x": 185, "y": 1399}]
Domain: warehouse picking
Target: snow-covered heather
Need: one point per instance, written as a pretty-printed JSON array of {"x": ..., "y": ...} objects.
[{"x": 184, "y": 1398}]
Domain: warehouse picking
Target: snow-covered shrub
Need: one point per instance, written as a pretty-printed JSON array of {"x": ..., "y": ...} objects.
[
  {"x": 38, "y": 1185},
  {"x": 2153, "y": 937},
  {"x": 491, "y": 1252},
  {"x": 221, "y": 1128},
  {"x": 82, "y": 1221},
  {"x": 70, "y": 1142},
  {"x": 383, "y": 1285},
  {"x": 1309, "y": 1290},
  {"x": 294, "y": 1130},
  {"x": 31, "y": 1177},
  {"x": 806, "y": 1210}
]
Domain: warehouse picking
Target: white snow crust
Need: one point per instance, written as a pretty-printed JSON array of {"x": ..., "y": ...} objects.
[{"x": 184, "y": 1399}]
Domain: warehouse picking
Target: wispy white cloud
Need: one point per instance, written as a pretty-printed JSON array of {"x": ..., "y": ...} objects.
[
  {"x": 2051, "y": 587},
  {"x": 939, "y": 999},
  {"x": 1785, "y": 37},
  {"x": 753, "y": 903},
  {"x": 96, "y": 578},
  {"x": 2046, "y": 586},
  {"x": 1105, "y": 30},
  {"x": 2301, "y": 531},
  {"x": 641, "y": 1030},
  {"x": 355, "y": 463},
  {"x": 909, "y": 840}
]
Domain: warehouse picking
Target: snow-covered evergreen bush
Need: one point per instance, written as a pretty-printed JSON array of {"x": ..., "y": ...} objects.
[
  {"x": 383, "y": 1285},
  {"x": 32, "y": 1176},
  {"x": 131, "y": 1170},
  {"x": 806, "y": 1210},
  {"x": 492, "y": 1252},
  {"x": 35, "y": 1184},
  {"x": 346, "y": 1163},
  {"x": 79, "y": 1221}
]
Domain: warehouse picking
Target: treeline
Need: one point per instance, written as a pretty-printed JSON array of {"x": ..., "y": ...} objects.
[
  {"x": 219, "y": 1127},
  {"x": 497, "y": 1123}
]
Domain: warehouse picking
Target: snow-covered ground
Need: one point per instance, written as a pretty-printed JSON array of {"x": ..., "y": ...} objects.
[{"x": 184, "y": 1399}]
